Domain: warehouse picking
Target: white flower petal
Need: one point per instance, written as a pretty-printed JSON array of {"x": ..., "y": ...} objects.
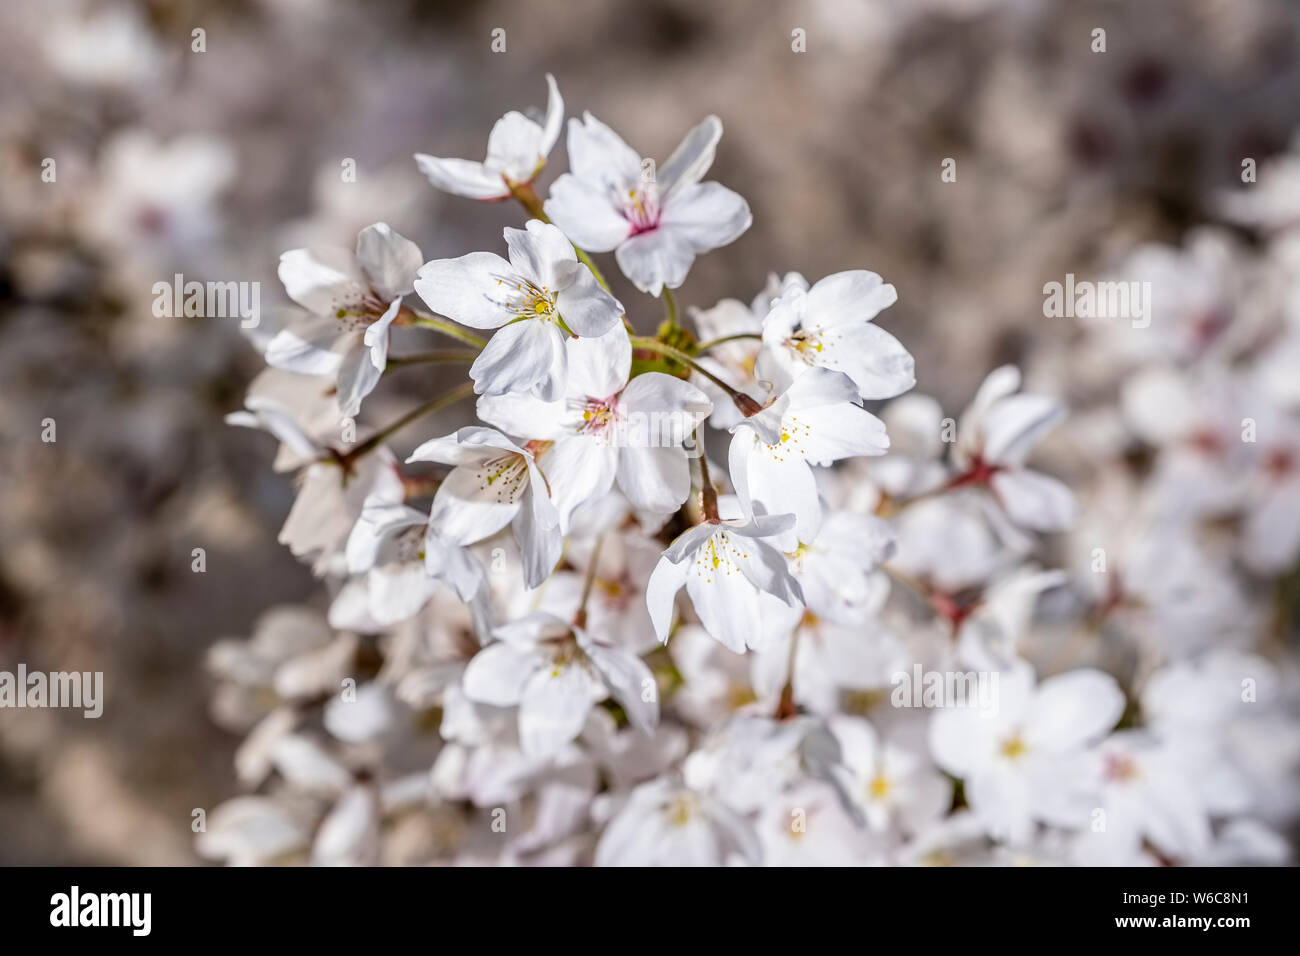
[
  {"x": 514, "y": 147},
  {"x": 321, "y": 280},
  {"x": 846, "y": 298},
  {"x": 466, "y": 289},
  {"x": 599, "y": 155},
  {"x": 398, "y": 591},
  {"x": 305, "y": 764},
  {"x": 527, "y": 415},
  {"x": 583, "y": 211},
  {"x": 661, "y": 590},
  {"x": 537, "y": 532},
  {"x": 587, "y": 309},
  {"x": 554, "y": 706},
  {"x": 274, "y": 418},
  {"x": 776, "y": 478},
  {"x": 453, "y": 565},
  {"x": 655, "y": 392},
  {"x": 692, "y": 158},
  {"x": 654, "y": 259},
  {"x": 709, "y": 215},
  {"x": 499, "y": 672},
  {"x": 1071, "y": 710},
  {"x": 380, "y": 523},
  {"x": 726, "y": 602},
  {"x": 463, "y": 177},
  {"x": 627, "y": 678},
  {"x": 357, "y": 378},
  {"x": 1014, "y": 425},
  {"x": 466, "y": 446},
  {"x": 579, "y": 469},
  {"x": 365, "y": 717},
  {"x": 388, "y": 260},
  {"x": 377, "y": 335},
  {"x": 554, "y": 120},
  {"x": 348, "y": 835},
  {"x": 876, "y": 361},
  {"x": 1034, "y": 500},
  {"x": 524, "y": 356},
  {"x": 537, "y": 253},
  {"x": 654, "y": 480},
  {"x": 599, "y": 364},
  {"x": 305, "y": 346},
  {"x": 476, "y": 501}
]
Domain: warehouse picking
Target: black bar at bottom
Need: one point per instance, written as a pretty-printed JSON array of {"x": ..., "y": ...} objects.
[{"x": 306, "y": 906}]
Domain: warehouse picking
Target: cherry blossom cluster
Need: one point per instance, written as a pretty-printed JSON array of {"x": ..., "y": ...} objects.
[{"x": 725, "y": 593}]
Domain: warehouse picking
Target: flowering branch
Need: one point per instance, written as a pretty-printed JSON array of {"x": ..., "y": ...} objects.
[{"x": 580, "y": 445}]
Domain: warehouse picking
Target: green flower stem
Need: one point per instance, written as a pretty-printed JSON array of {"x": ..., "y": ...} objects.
[
  {"x": 434, "y": 356},
  {"x": 379, "y": 437},
  {"x": 670, "y": 307},
  {"x": 746, "y": 404},
  {"x": 711, "y": 343},
  {"x": 447, "y": 328}
]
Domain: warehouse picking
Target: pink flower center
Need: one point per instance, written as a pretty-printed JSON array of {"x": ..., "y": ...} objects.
[
  {"x": 1279, "y": 463},
  {"x": 152, "y": 220},
  {"x": 599, "y": 415},
  {"x": 1118, "y": 766},
  {"x": 641, "y": 207},
  {"x": 1207, "y": 442},
  {"x": 979, "y": 473}
]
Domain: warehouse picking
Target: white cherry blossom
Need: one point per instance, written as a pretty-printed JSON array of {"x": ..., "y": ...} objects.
[
  {"x": 816, "y": 421},
  {"x": 517, "y": 149},
  {"x": 1027, "y": 761},
  {"x": 656, "y": 221},
  {"x": 555, "y": 673},
  {"x": 607, "y": 429},
  {"x": 352, "y": 301},
  {"x": 890, "y": 785},
  {"x": 830, "y": 326},
  {"x": 738, "y": 582},
  {"x": 537, "y": 300},
  {"x": 664, "y": 823},
  {"x": 494, "y": 483},
  {"x": 994, "y": 437}
]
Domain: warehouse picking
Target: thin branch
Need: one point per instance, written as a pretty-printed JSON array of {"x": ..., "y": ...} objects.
[
  {"x": 434, "y": 357},
  {"x": 746, "y": 404},
  {"x": 580, "y": 619},
  {"x": 379, "y": 437},
  {"x": 708, "y": 494},
  {"x": 711, "y": 343},
  {"x": 447, "y": 328}
]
